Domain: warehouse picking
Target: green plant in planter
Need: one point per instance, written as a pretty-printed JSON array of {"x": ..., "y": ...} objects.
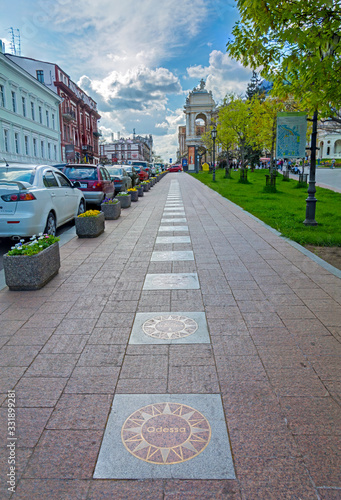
[
  {"x": 123, "y": 193},
  {"x": 37, "y": 244}
]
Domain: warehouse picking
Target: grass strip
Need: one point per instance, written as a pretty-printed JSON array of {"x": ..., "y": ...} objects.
[{"x": 284, "y": 209}]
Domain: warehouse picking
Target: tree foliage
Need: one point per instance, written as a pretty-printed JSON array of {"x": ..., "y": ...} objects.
[{"x": 297, "y": 43}]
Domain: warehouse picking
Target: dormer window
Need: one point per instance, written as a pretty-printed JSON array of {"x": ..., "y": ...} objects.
[{"x": 40, "y": 75}]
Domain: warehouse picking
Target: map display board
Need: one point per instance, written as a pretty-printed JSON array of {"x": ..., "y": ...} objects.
[{"x": 291, "y": 135}]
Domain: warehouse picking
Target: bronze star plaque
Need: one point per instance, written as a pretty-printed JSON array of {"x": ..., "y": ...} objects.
[
  {"x": 170, "y": 327},
  {"x": 166, "y": 433}
]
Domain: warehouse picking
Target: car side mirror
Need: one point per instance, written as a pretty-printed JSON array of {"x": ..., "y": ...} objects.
[{"x": 76, "y": 184}]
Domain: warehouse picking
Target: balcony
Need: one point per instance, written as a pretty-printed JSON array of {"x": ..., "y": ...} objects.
[
  {"x": 97, "y": 133},
  {"x": 68, "y": 115},
  {"x": 86, "y": 148}
]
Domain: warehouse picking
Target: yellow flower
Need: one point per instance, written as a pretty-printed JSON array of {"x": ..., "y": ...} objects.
[{"x": 90, "y": 213}]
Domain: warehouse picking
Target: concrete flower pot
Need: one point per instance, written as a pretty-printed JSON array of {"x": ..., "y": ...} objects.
[
  {"x": 31, "y": 272},
  {"x": 139, "y": 190},
  {"x": 134, "y": 195},
  {"x": 111, "y": 211},
  {"x": 125, "y": 201},
  {"x": 146, "y": 187},
  {"x": 90, "y": 227}
]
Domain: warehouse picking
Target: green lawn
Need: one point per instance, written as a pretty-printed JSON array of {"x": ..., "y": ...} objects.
[{"x": 285, "y": 209}]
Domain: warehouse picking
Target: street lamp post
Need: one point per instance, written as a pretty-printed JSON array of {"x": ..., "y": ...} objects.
[
  {"x": 213, "y": 135},
  {"x": 311, "y": 200}
]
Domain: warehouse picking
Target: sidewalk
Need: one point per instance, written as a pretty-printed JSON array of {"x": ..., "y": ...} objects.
[{"x": 219, "y": 379}]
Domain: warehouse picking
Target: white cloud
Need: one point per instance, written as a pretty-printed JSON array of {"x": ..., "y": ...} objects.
[
  {"x": 223, "y": 75},
  {"x": 127, "y": 33}
]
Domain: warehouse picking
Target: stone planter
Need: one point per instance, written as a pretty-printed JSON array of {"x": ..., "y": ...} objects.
[
  {"x": 146, "y": 187},
  {"x": 125, "y": 201},
  {"x": 31, "y": 272},
  {"x": 134, "y": 195},
  {"x": 139, "y": 190},
  {"x": 111, "y": 211},
  {"x": 90, "y": 227}
]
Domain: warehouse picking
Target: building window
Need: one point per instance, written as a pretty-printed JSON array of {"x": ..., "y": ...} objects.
[
  {"x": 40, "y": 115},
  {"x": 53, "y": 122},
  {"x": 32, "y": 111},
  {"x": 64, "y": 132},
  {"x": 35, "y": 147},
  {"x": 2, "y": 96},
  {"x": 42, "y": 148},
  {"x": 49, "y": 151},
  {"x": 26, "y": 145},
  {"x": 40, "y": 75},
  {"x": 16, "y": 141},
  {"x": 14, "y": 102},
  {"x": 6, "y": 141},
  {"x": 47, "y": 119},
  {"x": 23, "y": 100},
  {"x": 55, "y": 152}
]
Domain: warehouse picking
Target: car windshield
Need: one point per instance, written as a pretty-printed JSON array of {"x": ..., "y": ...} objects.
[
  {"x": 143, "y": 164},
  {"x": 137, "y": 169},
  {"x": 17, "y": 174},
  {"x": 115, "y": 170},
  {"x": 128, "y": 169},
  {"x": 81, "y": 173}
]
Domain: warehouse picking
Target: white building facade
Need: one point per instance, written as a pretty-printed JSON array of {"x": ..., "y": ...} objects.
[
  {"x": 29, "y": 117},
  {"x": 126, "y": 150}
]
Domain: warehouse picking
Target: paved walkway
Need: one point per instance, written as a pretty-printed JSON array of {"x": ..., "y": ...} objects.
[{"x": 219, "y": 379}]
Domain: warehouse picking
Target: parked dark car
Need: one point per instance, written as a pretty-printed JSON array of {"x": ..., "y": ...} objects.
[
  {"x": 93, "y": 180},
  {"x": 120, "y": 178}
]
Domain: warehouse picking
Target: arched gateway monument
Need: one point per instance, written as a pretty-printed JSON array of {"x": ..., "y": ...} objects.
[{"x": 199, "y": 109}]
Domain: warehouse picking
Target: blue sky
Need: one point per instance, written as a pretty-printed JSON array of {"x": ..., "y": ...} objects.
[{"x": 138, "y": 60}]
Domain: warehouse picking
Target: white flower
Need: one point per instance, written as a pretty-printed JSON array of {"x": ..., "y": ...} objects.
[
  {"x": 13, "y": 248},
  {"x": 41, "y": 234},
  {"x": 22, "y": 241}
]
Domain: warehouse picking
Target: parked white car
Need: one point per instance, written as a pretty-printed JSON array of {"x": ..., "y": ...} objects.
[{"x": 35, "y": 199}]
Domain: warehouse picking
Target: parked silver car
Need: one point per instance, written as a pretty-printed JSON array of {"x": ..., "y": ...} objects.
[{"x": 35, "y": 199}]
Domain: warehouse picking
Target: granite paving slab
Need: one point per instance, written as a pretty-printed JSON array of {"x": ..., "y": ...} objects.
[
  {"x": 173, "y": 255},
  {"x": 173, "y": 219},
  {"x": 171, "y": 281},
  {"x": 180, "y": 436},
  {"x": 170, "y": 328},
  {"x": 172, "y": 239},
  {"x": 173, "y": 228}
]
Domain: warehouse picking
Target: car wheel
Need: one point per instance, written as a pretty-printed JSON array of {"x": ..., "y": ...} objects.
[
  {"x": 51, "y": 226},
  {"x": 81, "y": 208}
]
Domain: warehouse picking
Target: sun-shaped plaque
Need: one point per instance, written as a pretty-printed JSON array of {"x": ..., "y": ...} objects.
[
  {"x": 170, "y": 327},
  {"x": 166, "y": 433}
]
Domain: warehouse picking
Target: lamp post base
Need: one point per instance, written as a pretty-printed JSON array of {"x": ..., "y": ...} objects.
[{"x": 310, "y": 212}]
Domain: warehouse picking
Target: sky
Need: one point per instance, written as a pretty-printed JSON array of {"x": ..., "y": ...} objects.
[{"x": 137, "y": 59}]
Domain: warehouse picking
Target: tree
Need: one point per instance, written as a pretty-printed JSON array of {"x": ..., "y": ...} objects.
[
  {"x": 264, "y": 122},
  {"x": 234, "y": 124},
  {"x": 297, "y": 44},
  {"x": 254, "y": 87}
]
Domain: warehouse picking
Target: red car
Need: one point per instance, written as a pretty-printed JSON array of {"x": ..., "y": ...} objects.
[
  {"x": 175, "y": 168},
  {"x": 93, "y": 180},
  {"x": 143, "y": 175}
]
